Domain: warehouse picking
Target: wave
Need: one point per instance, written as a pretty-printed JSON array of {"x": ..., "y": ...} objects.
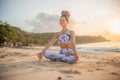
[{"x": 100, "y": 47}]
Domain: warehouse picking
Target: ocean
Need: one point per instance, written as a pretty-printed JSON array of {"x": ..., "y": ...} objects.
[{"x": 111, "y": 46}]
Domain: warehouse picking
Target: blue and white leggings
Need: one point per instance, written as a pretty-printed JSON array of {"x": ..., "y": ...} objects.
[{"x": 61, "y": 56}]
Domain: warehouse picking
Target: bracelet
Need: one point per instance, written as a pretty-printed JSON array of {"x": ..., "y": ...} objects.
[{"x": 43, "y": 50}]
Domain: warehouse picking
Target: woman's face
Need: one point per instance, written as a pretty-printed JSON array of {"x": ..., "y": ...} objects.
[{"x": 63, "y": 22}]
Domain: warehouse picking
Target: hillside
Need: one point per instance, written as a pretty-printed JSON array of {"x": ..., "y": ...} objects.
[{"x": 15, "y": 35}]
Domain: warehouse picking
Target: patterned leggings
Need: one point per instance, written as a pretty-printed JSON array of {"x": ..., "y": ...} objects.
[{"x": 61, "y": 56}]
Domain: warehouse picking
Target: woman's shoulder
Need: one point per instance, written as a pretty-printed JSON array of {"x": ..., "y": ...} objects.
[
  {"x": 57, "y": 34},
  {"x": 72, "y": 32}
]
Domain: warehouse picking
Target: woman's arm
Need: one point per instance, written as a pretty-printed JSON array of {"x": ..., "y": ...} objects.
[
  {"x": 72, "y": 39},
  {"x": 50, "y": 43}
]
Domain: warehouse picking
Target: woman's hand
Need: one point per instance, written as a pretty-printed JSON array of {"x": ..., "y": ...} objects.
[
  {"x": 40, "y": 55},
  {"x": 76, "y": 58},
  {"x": 67, "y": 54}
]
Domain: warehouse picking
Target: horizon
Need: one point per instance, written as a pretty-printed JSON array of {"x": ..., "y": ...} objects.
[{"x": 101, "y": 17}]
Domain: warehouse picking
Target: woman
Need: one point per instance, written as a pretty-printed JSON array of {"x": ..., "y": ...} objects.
[{"x": 66, "y": 41}]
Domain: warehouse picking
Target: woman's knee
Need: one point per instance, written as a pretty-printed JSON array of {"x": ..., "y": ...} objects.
[
  {"x": 47, "y": 54},
  {"x": 70, "y": 59}
]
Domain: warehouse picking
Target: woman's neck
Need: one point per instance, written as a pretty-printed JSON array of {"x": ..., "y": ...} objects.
[{"x": 64, "y": 30}]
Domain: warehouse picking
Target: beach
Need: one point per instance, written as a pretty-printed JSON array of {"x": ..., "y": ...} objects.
[{"x": 22, "y": 64}]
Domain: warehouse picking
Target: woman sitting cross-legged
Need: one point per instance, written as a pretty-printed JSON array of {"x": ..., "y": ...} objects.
[{"x": 66, "y": 41}]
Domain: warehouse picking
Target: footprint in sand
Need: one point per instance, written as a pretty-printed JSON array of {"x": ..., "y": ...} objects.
[
  {"x": 113, "y": 73},
  {"x": 98, "y": 62},
  {"x": 99, "y": 69},
  {"x": 69, "y": 76},
  {"x": 70, "y": 71},
  {"x": 13, "y": 66},
  {"x": 90, "y": 70},
  {"x": 37, "y": 69}
]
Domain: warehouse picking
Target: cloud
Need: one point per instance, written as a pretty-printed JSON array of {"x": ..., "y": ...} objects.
[
  {"x": 50, "y": 23},
  {"x": 44, "y": 23}
]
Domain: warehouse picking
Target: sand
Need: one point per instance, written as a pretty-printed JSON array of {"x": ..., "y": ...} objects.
[{"x": 22, "y": 64}]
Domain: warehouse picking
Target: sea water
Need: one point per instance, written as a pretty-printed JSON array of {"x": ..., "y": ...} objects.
[{"x": 111, "y": 46}]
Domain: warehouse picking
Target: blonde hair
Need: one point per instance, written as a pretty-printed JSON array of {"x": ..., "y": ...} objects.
[{"x": 65, "y": 14}]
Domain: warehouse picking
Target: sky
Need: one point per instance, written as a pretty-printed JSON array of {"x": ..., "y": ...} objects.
[{"x": 88, "y": 17}]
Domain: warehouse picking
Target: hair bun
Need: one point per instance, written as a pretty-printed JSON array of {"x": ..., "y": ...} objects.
[{"x": 65, "y": 13}]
